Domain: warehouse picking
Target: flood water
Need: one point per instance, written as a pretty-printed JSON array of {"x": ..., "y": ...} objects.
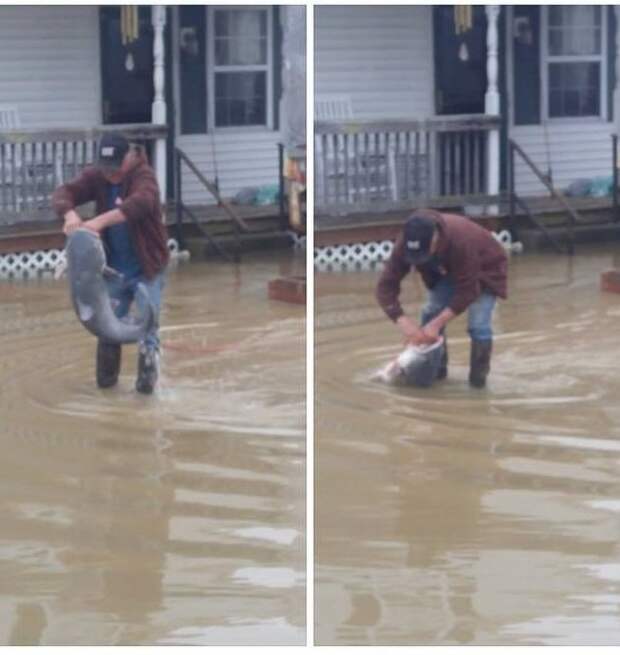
[
  {"x": 172, "y": 519},
  {"x": 458, "y": 516}
]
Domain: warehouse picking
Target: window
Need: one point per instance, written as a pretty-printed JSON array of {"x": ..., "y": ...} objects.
[
  {"x": 574, "y": 68},
  {"x": 240, "y": 66}
]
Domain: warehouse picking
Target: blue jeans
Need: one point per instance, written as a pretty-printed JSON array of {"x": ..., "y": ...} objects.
[
  {"x": 479, "y": 313},
  {"x": 124, "y": 292}
]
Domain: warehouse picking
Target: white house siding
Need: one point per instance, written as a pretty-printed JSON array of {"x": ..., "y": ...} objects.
[
  {"x": 244, "y": 159},
  {"x": 577, "y": 150},
  {"x": 380, "y": 56},
  {"x": 49, "y": 64}
]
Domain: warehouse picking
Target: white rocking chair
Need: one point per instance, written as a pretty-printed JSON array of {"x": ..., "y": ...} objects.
[{"x": 338, "y": 108}]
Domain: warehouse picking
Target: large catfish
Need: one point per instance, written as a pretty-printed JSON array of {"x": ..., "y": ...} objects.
[
  {"x": 416, "y": 365},
  {"x": 87, "y": 270}
]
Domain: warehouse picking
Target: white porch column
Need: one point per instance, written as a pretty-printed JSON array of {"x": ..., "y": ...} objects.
[
  {"x": 617, "y": 80},
  {"x": 491, "y": 99},
  {"x": 158, "y": 117}
]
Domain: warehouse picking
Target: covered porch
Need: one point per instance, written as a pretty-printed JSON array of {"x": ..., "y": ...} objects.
[
  {"x": 389, "y": 139},
  {"x": 69, "y": 74},
  {"x": 57, "y": 70},
  {"x": 466, "y": 109}
]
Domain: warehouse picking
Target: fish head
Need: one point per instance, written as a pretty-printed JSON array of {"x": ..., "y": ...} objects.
[{"x": 85, "y": 251}]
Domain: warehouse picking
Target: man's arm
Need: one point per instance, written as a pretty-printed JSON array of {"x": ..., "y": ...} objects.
[
  {"x": 141, "y": 204},
  {"x": 73, "y": 194},
  {"x": 388, "y": 293},
  {"x": 388, "y": 287},
  {"x": 99, "y": 223},
  {"x": 433, "y": 328}
]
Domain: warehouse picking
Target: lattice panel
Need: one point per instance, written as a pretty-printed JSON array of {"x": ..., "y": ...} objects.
[
  {"x": 375, "y": 251},
  {"x": 365, "y": 256},
  {"x": 298, "y": 241},
  {"x": 25, "y": 264}
]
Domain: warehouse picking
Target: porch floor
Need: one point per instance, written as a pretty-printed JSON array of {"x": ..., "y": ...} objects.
[
  {"x": 45, "y": 235},
  {"x": 216, "y": 214},
  {"x": 376, "y": 226}
]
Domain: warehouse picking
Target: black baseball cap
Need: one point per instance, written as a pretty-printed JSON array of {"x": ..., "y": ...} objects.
[
  {"x": 418, "y": 235},
  {"x": 113, "y": 147}
]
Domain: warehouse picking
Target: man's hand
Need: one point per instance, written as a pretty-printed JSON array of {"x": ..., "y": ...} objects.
[
  {"x": 431, "y": 332},
  {"x": 72, "y": 222},
  {"x": 432, "y": 329},
  {"x": 410, "y": 330},
  {"x": 94, "y": 225}
]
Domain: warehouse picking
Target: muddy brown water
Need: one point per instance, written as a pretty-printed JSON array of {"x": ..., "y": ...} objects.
[
  {"x": 453, "y": 516},
  {"x": 176, "y": 519}
]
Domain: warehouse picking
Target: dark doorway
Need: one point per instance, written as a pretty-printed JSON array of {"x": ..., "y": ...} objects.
[
  {"x": 126, "y": 70},
  {"x": 127, "y": 85},
  {"x": 460, "y": 62}
]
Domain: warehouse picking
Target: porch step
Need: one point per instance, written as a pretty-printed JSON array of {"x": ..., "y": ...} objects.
[
  {"x": 291, "y": 289},
  {"x": 365, "y": 228},
  {"x": 247, "y": 242},
  {"x": 216, "y": 214},
  {"x": 31, "y": 236},
  {"x": 534, "y": 239},
  {"x": 610, "y": 281}
]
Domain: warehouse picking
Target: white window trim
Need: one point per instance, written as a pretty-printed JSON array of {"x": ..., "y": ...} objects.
[
  {"x": 546, "y": 59},
  {"x": 212, "y": 69}
]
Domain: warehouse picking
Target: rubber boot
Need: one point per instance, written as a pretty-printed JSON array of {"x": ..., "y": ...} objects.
[
  {"x": 480, "y": 362},
  {"x": 108, "y": 364},
  {"x": 148, "y": 369},
  {"x": 442, "y": 374}
]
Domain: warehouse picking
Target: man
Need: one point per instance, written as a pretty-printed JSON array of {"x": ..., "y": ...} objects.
[
  {"x": 463, "y": 267},
  {"x": 129, "y": 220}
]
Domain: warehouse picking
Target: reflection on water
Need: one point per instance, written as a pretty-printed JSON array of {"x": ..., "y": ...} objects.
[
  {"x": 454, "y": 516},
  {"x": 173, "y": 519}
]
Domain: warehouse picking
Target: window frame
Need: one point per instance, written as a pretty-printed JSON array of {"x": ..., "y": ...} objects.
[
  {"x": 546, "y": 59},
  {"x": 212, "y": 69}
]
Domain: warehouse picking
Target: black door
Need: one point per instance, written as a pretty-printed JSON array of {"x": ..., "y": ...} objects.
[
  {"x": 460, "y": 62},
  {"x": 126, "y": 70}
]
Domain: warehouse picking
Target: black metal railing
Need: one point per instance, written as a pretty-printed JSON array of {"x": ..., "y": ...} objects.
[
  {"x": 238, "y": 224},
  {"x": 573, "y": 218}
]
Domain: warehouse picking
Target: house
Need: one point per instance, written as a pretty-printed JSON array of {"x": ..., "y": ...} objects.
[
  {"x": 427, "y": 100},
  {"x": 208, "y": 80}
]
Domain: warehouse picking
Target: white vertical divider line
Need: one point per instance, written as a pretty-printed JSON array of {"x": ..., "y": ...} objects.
[{"x": 310, "y": 405}]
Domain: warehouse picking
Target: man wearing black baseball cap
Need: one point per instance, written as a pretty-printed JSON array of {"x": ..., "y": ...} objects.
[
  {"x": 111, "y": 153},
  {"x": 463, "y": 267},
  {"x": 129, "y": 220}
]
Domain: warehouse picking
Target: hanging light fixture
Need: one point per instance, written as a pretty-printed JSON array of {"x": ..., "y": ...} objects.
[
  {"x": 462, "y": 18},
  {"x": 462, "y": 24},
  {"x": 129, "y": 24},
  {"x": 130, "y": 32}
]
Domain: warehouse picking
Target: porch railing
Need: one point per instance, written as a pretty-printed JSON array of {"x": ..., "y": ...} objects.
[
  {"x": 34, "y": 162},
  {"x": 382, "y": 165}
]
